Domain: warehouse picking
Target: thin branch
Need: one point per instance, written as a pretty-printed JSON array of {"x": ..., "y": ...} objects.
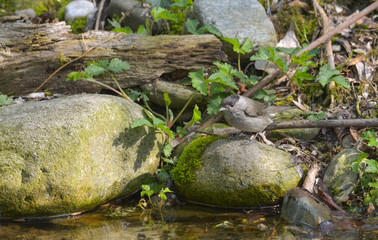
[{"x": 373, "y": 122}]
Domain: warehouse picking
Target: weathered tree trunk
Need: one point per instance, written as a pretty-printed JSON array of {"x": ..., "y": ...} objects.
[{"x": 30, "y": 53}]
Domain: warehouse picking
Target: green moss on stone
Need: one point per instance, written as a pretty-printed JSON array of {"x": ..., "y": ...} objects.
[{"x": 190, "y": 160}]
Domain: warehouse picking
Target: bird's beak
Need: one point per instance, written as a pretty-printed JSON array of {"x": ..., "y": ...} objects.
[{"x": 222, "y": 109}]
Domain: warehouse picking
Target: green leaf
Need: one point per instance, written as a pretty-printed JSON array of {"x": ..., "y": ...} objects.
[
  {"x": 281, "y": 63},
  {"x": 217, "y": 88},
  {"x": 341, "y": 81},
  {"x": 224, "y": 66},
  {"x": 355, "y": 167},
  {"x": 164, "y": 127},
  {"x": 126, "y": 30},
  {"x": 162, "y": 176},
  {"x": 74, "y": 76},
  {"x": 326, "y": 75},
  {"x": 146, "y": 191},
  {"x": 182, "y": 3},
  {"x": 214, "y": 104},
  {"x": 102, "y": 63},
  {"x": 162, "y": 13},
  {"x": 303, "y": 60},
  {"x": 167, "y": 150},
  {"x": 374, "y": 184},
  {"x": 196, "y": 115},
  {"x": 94, "y": 70},
  {"x": 167, "y": 100},
  {"x": 142, "y": 30},
  {"x": 246, "y": 47},
  {"x": 234, "y": 42},
  {"x": 141, "y": 122},
  {"x": 192, "y": 25},
  {"x": 212, "y": 30},
  {"x": 114, "y": 23},
  {"x": 266, "y": 95},
  {"x": 371, "y": 166},
  {"x": 198, "y": 81},
  {"x": 5, "y": 100},
  {"x": 318, "y": 116},
  {"x": 117, "y": 65},
  {"x": 301, "y": 73},
  {"x": 262, "y": 55},
  {"x": 223, "y": 78},
  {"x": 366, "y": 135}
]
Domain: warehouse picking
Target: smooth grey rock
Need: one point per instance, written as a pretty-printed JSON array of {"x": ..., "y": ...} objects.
[
  {"x": 77, "y": 9},
  {"x": 26, "y": 12},
  {"x": 178, "y": 94},
  {"x": 301, "y": 207},
  {"x": 137, "y": 15},
  {"x": 237, "y": 19},
  {"x": 339, "y": 177},
  {"x": 235, "y": 173},
  {"x": 72, "y": 154}
]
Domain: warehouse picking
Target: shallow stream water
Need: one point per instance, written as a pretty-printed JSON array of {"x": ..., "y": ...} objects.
[{"x": 181, "y": 222}]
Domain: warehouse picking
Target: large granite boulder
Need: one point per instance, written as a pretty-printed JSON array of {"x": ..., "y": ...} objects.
[
  {"x": 72, "y": 154},
  {"x": 237, "y": 19},
  {"x": 233, "y": 173}
]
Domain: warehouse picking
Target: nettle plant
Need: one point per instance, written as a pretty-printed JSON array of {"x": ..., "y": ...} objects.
[
  {"x": 303, "y": 64},
  {"x": 4, "y": 99},
  {"x": 367, "y": 170}
]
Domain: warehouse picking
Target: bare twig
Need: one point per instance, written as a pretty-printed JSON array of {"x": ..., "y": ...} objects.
[
  {"x": 309, "y": 182},
  {"x": 373, "y": 122},
  {"x": 99, "y": 11}
]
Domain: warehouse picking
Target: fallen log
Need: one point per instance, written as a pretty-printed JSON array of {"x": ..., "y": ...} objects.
[{"x": 30, "y": 53}]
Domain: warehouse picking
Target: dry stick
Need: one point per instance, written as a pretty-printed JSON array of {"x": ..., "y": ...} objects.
[
  {"x": 99, "y": 12},
  {"x": 311, "y": 46},
  {"x": 373, "y": 122},
  {"x": 325, "y": 23},
  {"x": 74, "y": 60},
  {"x": 328, "y": 47}
]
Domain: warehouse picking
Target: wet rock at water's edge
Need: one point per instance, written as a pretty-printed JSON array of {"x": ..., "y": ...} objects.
[
  {"x": 72, "y": 154},
  {"x": 233, "y": 173},
  {"x": 339, "y": 176}
]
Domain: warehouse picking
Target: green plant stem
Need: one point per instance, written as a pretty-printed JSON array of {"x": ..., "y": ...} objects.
[
  {"x": 108, "y": 87},
  {"x": 119, "y": 87},
  {"x": 239, "y": 67},
  {"x": 153, "y": 112},
  {"x": 183, "y": 109}
]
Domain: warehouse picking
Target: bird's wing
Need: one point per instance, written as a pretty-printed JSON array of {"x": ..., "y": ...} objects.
[
  {"x": 274, "y": 110},
  {"x": 252, "y": 111}
]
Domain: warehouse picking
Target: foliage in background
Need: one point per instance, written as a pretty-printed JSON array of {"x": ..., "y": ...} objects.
[
  {"x": 304, "y": 65},
  {"x": 4, "y": 99}
]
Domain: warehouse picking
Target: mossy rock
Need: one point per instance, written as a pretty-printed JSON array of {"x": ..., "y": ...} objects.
[
  {"x": 72, "y": 154},
  {"x": 234, "y": 173}
]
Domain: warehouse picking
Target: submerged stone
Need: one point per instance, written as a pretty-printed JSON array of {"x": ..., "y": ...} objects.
[{"x": 72, "y": 154}]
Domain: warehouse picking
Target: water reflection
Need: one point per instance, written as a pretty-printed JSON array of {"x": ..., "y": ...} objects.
[{"x": 182, "y": 222}]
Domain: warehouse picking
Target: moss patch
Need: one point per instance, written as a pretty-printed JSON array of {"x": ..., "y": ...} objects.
[{"x": 190, "y": 160}]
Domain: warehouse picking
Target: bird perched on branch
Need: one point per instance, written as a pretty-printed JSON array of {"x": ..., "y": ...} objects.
[{"x": 248, "y": 115}]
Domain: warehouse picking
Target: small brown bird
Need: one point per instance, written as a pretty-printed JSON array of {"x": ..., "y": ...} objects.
[{"x": 249, "y": 115}]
